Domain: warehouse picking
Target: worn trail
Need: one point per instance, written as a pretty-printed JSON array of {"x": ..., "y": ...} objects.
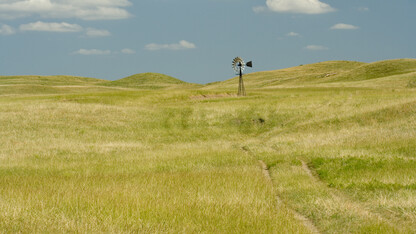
[{"x": 304, "y": 220}]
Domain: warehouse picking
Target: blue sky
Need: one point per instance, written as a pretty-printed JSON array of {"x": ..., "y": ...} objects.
[{"x": 196, "y": 40}]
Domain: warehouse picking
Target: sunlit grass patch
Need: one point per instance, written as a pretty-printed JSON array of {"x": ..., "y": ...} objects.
[{"x": 367, "y": 173}]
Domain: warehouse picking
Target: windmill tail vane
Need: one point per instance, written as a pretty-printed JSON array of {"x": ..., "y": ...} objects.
[{"x": 239, "y": 66}]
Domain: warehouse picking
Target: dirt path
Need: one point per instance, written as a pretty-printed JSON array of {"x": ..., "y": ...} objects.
[
  {"x": 266, "y": 173},
  {"x": 212, "y": 96},
  {"x": 304, "y": 220},
  {"x": 305, "y": 167}
]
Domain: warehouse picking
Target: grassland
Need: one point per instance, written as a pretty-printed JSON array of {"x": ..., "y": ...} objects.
[{"x": 87, "y": 155}]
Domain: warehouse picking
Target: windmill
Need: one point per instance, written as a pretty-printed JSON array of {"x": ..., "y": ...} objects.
[{"x": 238, "y": 66}]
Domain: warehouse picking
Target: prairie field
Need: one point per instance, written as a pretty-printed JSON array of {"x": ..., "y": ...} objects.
[{"x": 327, "y": 147}]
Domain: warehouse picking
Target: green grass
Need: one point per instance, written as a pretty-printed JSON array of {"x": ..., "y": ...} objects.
[{"x": 82, "y": 156}]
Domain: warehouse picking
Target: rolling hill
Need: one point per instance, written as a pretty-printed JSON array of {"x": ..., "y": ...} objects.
[
  {"x": 48, "y": 80},
  {"x": 73, "y": 84},
  {"x": 399, "y": 73},
  {"x": 377, "y": 70},
  {"x": 396, "y": 73},
  {"x": 150, "y": 81},
  {"x": 22, "y": 85}
]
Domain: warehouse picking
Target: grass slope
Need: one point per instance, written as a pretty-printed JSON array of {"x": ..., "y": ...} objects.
[
  {"x": 41, "y": 85},
  {"x": 399, "y": 73},
  {"x": 377, "y": 70},
  {"x": 295, "y": 75},
  {"x": 150, "y": 81},
  {"x": 127, "y": 160},
  {"x": 48, "y": 80}
]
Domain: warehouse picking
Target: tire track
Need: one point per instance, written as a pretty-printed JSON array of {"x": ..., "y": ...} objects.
[
  {"x": 360, "y": 209},
  {"x": 266, "y": 173},
  {"x": 301, "y": 218}
]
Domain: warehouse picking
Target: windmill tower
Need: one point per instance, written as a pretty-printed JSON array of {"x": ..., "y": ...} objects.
[{"x": 238, "y": 66}]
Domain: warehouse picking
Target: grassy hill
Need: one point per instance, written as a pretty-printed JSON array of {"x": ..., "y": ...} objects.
[
  {"x": 68, "y": 84},
  {"x": 327, "y": 147},
  {"x": 20, "y": 85},
  {"x": 376, "y": 70},
  {"x": 399, "y": 73},
  {"x": 150, "y": 81},
  {"x": 48, "y": 80}
]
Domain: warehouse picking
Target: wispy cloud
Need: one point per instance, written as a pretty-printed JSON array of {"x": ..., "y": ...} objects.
[
  {"x": 81, "y": 9},
  {"x": 316, "y": 47},
  {"x": 293, "y": 34},
  {"x": 93, "y": 32},
  {"x": 299, "y": 6},
  {"x": 128, "y": 51},
  {"x": 51, "y": 27},
  {"x": 182, "y": 45},
  {"x": 7, "y": 30},
  {"x": 344, "y": 27},
  {"x": 103, "y": 52},
  {"x": 92, "y": 52},
  {"x": 62, "y": 27},
  {"x": 363, "y": 9}
]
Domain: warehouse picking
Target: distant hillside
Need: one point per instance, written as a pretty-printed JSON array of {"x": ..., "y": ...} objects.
[
  {"x": 399, "y": 73},
  {"x": 150, "y": 81},
  {"x": 377, "y": 70},
  {"x": 294, "y": 75},
  {"x": 48, "y": 80},
  {"x": 13, "y": 85}
]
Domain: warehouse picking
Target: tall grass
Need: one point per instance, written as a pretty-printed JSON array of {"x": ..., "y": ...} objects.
[
  {"x": 113, "y": 159},
  {"x": 128, "y": 162}
]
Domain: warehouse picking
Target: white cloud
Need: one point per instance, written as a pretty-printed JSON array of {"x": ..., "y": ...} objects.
[
  {"x": 92, "y": 52},
  {"x": 63, "y": 28},
  {"x": 293, "y": 34},
  {"x": 81, "y": 9},
  {"x": 92, "y": 32},
  {"x": 7, "y": 30},
  {"x": 363, "y": 9},
  {"x": 51, "y": 27},
  {"x": 299, "y": 6},
  {"x": 316, "y": 47},
  {"x": 182, "y": 45},
  {"x": 102, "y": 52},
  {"x": 128, "y": 51},
  {"x": 344, "y": 27}
]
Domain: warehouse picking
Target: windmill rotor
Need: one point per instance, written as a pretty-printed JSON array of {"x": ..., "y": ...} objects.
[{"x": 237, "y": 64}]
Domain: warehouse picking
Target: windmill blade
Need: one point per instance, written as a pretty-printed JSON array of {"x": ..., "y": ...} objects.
[{"x": 237, "y": 63}]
